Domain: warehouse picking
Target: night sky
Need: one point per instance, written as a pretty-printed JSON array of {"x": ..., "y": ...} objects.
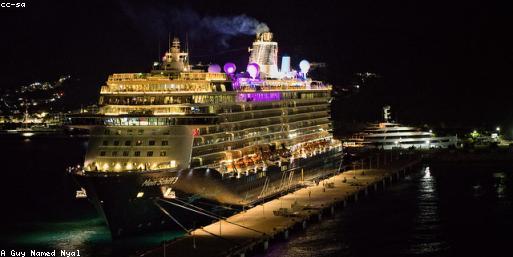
[{"x": 439, "y": 62}]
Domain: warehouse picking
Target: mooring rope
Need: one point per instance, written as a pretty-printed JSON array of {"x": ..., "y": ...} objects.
[{"x": 212, "y": 216}]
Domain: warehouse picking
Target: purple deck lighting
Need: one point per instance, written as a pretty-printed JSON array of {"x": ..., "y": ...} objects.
[
  {"x": 258, "y": 97},
  {"x": 214, "y": 68},
  {"x": 229, "y": 68},
  {"x": 253, "y": 70}
]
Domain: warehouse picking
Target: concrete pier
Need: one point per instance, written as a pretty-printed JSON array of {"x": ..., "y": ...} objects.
[{"x": 254, "y": 229}]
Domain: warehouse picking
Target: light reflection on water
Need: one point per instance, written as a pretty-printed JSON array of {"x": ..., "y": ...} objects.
[
  {"x": 435, "y": 212},
  {"x": 90, "y": 236},
  {"x": 500, "y": 184},
  {"x": 64, "y": 235},
  {"x": 426, "y": 238}
]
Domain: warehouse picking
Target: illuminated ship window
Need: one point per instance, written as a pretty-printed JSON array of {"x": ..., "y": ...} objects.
[
  {"x": 128, "y": 143},
  {"x": 116, "y": 142},
  {"x": 102, "y": 153},
  {"x": 139, "y": 142},
  {"x": 149, "y": 153},
  {"x": 163, "y": 153},
  {"x": 129, "y": 132},
  {"x": 164, "y": 142},
  {"x": 151, "y": 142},
  {"x": 115, "y": 153},
  {"x": 125, "y": 153},
  {"x": 105, "y": 142},
  {"x": 137, "y": 153}
]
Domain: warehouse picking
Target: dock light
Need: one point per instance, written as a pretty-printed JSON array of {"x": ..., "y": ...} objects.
[
  {"x": 140, "y": 194},
  {"x": 498, "y": 129},
  {"x": 396, "y": 142},
  {"x": 430, "y": 131},
  {"x": 427, "y": 141}
]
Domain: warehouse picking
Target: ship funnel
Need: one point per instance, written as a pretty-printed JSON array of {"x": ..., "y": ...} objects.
[
  {"x": 265, "y": 36},
  {"x": 265, "y": 53}
]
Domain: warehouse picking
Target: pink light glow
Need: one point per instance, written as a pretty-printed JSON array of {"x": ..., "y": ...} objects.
[
  {"x": 253, "y": 70},
  {"x": 229, "y": 68},
  {"x": 258, "y": 97}
]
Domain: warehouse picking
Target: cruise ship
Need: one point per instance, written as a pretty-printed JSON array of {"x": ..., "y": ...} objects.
[
  {"x": 389, "y": 135},
  {"x": 176, "y": 142}
]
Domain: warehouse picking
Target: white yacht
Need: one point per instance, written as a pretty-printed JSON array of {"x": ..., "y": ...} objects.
[{"x": 389, "y": 135}]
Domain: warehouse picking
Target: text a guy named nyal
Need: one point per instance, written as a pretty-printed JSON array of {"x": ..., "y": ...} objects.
[{"x": 35, "y": 253}]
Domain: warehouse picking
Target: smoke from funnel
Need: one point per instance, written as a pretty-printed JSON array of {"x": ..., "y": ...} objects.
[
  {"x": 236, "y": 25},
  {"x": 160, "y": 19}
]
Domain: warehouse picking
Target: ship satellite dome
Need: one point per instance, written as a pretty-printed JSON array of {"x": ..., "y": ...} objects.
[
  {"x": 214, "y": 68},
  {"x": 253, "y": 70},
  {"x": 304, "y": 65},
  {"x": 229, "y": 68}
]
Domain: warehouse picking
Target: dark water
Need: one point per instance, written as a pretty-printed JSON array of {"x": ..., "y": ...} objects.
[
  {"x": 450, "y": 211},
  {"x": 38, "y": 205}
]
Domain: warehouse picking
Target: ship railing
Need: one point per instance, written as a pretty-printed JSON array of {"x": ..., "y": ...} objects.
[{"x": 283, "y": 88}]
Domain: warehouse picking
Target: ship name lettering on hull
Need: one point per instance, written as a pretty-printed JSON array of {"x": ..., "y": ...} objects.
[{"x": 159, "y": 182}]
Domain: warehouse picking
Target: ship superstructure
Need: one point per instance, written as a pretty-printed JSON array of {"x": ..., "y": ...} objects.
[{"x": 226, "y": 137}]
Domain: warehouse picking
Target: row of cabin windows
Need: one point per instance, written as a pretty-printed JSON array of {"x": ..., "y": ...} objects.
[
  {"x": 138, "y": 142},
  {"x": 136, "y": 153},
  {"x": 131, "y": 132},
  {"x": 159, "y": 100}
]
